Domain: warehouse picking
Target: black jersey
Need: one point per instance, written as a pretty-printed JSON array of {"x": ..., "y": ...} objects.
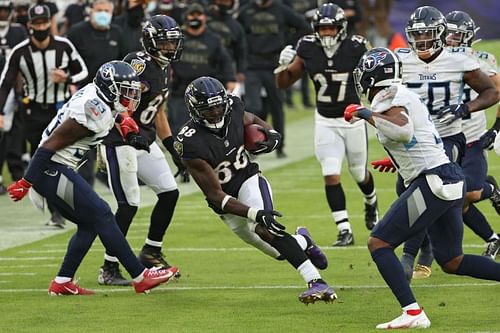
[
  {"x": 16, "y": 33},
  {"x": 225, "y": 154},
  {"x": 154, "y": 81},
  {"x": 332, "y": 77}
]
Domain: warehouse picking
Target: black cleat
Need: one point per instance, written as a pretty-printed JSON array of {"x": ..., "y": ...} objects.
[
  {"x": 151, "y": 258},
  {"x": 371, "y": 215},
  {"x": 492, "y": 249},
  {"x": 344, "y": 238},
  {"x": 110, "y": 275},
  {"x": 495, "y": 196}
]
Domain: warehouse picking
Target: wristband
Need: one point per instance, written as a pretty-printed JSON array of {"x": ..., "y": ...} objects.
[
  {"x": 252, "y": 213},
  {"x": 224, "y": 201}
]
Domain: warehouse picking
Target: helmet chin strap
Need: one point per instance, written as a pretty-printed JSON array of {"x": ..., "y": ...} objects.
[{"x": 330, "y": 45}]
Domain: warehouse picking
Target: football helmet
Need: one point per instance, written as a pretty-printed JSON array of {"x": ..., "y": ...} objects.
[
  {"x": 330, "y": 14},
  {"x": 378, "y": 67},
  {"x": 118, "y": 84},
  {"x": 426, "y": 30},
  {"x": 5, "y": 19},
  {"x": 461, "y": 29},
  {"x": 162, "y": 38},
  {"x": 207, "y": 102}
]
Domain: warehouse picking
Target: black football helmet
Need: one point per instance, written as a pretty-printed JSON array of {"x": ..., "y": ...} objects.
[
  {"x": 378, "y": 67},
  {"x": 426, "y": 30},
  {"x": 207, "y": 101},
  {"x": 6, "y": 17},
  {"x": 162, "y": 38},
  {"x": 330, "y": 14},
  {"x": 118, "y": 84},
  {"x": 461, "y": 29}
]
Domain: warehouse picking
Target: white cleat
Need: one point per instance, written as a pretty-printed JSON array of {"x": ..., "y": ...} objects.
[{"x": 408, "y": 320}]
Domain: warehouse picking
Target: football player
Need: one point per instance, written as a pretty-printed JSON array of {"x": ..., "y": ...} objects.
[
  {"x": 329, "y": 58},
  {"x": 79, "y": 125},
  {"x": 435, "y": 187},
  {"x": 438, "y": 74},
  {"x": 162, "y": 41},
  {"x": 211, "y": 145},
  {"x": 461, "y": 33}
]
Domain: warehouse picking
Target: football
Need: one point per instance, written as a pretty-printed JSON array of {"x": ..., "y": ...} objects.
[{"x": 253, "y": 134}]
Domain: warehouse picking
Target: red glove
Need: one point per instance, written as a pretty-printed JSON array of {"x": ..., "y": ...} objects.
[
  {"x": 384, "y": 165},
  {"x": 127, "y": 126},
  {"x": 361, "y": 112},
  {"x": 19, "y": 189}
]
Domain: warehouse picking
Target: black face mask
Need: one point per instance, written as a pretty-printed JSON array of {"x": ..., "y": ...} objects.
[
  {"x": 135, "y": 16},
  {"x": 22, "y": 19},
  {"x": 40, "y": 35},
  {"x": 194, "y": 23},
  {"x": 224, "y": 9}
]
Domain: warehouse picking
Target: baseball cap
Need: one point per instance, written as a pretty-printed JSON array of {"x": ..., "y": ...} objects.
[
  {"x": 39, "y": 12},
  {"x": 195, "y": 8}
]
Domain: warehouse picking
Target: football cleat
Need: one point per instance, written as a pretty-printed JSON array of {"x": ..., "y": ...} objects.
[
  {"x": 110, "y": 275},
  {"x": 318, "y": 291},
  {"x": 344, "y": 238},
  {"x": 495, "y": 196},
  {"x": 313, "y": 252},
  {"x": 409, "y": 319},
  {"x": 422, "y": 272},
  {"x": 151, "y": 258},
  {"x": 492, "y": 249},
  {"x": 152, "y": 277},
  {"x": 67, "y": 289},
  {"x": 56, "y": 220},
  {"x": 371, "y": 215}
]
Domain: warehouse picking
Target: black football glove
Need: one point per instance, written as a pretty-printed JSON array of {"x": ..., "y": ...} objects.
[
  {"x": 181, "y": 168},
  {"x": 272, "y": 142},
  {"x": 488, "y": 139},
  {"x": 138, "y": 142},
  {"x": 450, "y": 113},
  {"x": 266, "y": 218}
]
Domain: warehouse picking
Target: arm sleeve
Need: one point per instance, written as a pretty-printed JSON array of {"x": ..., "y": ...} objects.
[
  {"x": 8, "y": 77},
  {"x": 77, "y": 68}
]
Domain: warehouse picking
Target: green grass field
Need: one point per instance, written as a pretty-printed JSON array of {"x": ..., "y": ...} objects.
[{"x": 227, "y": 286}]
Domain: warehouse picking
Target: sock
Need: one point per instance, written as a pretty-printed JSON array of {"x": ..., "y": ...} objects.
[
  {"x": 413, "y": 307},
  {"x": 62, "y": 279},
  {"x": 288, "y": 247},
  {"x": 308, "y": 271},
  {"x": 368, "y": 190},
  {"x": 479, "y": 267},
  {"x": 487, "y": 191},
  {"x": 413, "y": 245},
  {"x": 391, "y": 270},
  {"x": 477, "y": 222},
  {"x": 139, "y": 277},
  {"x": 162, "y": 214},
  {"x": 124, "y": 216},
  {"x": 152, "y": 243},
  {"x": 335, "y": 197},
  {"x": 151, "y": 248},
  {"x": 493, "y": 237},
  {"x": 426, "y": 256}
]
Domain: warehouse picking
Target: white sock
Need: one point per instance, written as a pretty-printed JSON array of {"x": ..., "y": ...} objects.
[
  {"x": 301, "y": 240},
  {"x": 344, "y": 226},
  {"x": 493, "y": 237},
  {"x": 107, "y": 257},
  {"x": 62, "y": 279},
  {"x": 371, "y": 198},
  {"x": 308, "y": 271},
  {"x": 412, "y": 306},
  {"x": 139, "y": 277}
]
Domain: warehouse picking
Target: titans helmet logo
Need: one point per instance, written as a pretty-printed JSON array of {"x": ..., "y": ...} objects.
[{"x": 373, "y": 60}]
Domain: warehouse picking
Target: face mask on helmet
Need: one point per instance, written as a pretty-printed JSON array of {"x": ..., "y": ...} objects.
[
  {"x": 330, "y": 27},
  {"x": 461, "y": 29},
  {"x": 128, "y": 96},
  {"x": 426, "y": 31}
]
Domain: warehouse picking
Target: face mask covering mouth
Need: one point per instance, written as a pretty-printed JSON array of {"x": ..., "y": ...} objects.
[
  {"x": 102, "y": 19},
  {"x": 194, "y": 23},
  {"x": 40, "y": 35}
]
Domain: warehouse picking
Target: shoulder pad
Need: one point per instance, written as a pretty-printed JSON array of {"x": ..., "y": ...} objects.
[
  {"x": 138, "y": 64},
  {"x": 461, "y": 49},
  {"x": 308, "y": 39},
  {"x": 487, "y": 57},
  {"x": 358, "y": 39},
  {"x": 94, "y": 109}
]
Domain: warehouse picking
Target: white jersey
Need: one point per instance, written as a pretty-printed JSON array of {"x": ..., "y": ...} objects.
[
  {"x": 475, "y": 126},
  {"x": 439, "y": 83},
  {"x": 425, "y": 151},
  {"x": 87, "y": 109}
]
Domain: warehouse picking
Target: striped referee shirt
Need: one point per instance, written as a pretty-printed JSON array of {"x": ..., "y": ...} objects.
[{"x": 36, "y": 65}]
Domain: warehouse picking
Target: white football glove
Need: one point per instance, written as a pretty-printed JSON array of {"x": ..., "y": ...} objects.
[{"x": 286, "y": 57}]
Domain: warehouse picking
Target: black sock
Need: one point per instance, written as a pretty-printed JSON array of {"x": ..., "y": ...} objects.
[
  {"x": 335, "y": 197},
  {"x": 475, "y": 220},
  {"x": 288, "y": 247},
  {"x": 480, "y": 267},
  {"x": 368, "y": 187},
  {"x": 123, "y": 216},
  {"x": 162, "y": 215}
]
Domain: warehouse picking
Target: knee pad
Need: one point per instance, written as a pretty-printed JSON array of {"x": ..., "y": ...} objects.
[
  {"x": 330, "y": 166},
  {"x": 358, "y": 173}
]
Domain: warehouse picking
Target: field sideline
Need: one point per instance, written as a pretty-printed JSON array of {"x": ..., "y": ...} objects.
[{"x": 227, "y": 286}]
